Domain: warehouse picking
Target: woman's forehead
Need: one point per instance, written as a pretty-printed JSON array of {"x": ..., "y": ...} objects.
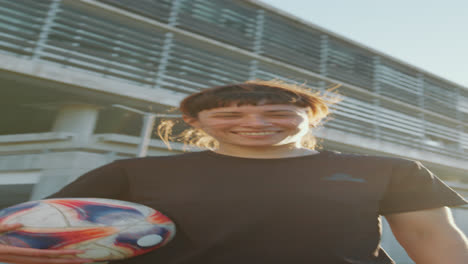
[{"x": 263, "y": 107}]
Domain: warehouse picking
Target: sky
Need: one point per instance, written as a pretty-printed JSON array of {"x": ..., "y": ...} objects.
[{"x": 429, "y": 34}]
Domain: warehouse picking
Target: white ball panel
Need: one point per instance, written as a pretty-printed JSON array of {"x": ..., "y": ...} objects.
[
  {"x": 95, "y": 253},
  {"x": 149, "y": 240},
  {"x": 41, "y": 215}
]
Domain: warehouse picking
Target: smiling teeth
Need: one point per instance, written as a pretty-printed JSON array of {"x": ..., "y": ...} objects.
[{"x": 256, "y": 133}]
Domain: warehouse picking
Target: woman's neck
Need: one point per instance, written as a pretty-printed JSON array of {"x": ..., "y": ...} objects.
[{"x": 265, "y": 152}]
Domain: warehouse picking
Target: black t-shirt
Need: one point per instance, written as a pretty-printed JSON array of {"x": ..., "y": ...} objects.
[{"x": 322, "y": 208}]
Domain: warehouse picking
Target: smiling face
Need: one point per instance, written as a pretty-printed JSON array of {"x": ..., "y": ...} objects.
[{"x": 254, "y": 126}]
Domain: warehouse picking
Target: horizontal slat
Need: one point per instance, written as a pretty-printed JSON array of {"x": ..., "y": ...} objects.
[
  {"x": 226, "y": 21},
  {"x": 35, "y": 9},
  {"x": 98, "y": 43},
  {"x": 194, "y": 65},
  {"x": 156, "y": 9},
  {"x": 291, "y": 55},
  {"x": 382, "y": 118},
  {"x": 400, "y": 84},
  {"x": 103, "y": 28},
  {"x": 291, "y": 37},
  {"x": 20, "y": 25},
  {"x": 398, "y": 94},
  {"x": 209, "y": 62},
  {"x": 104, "y": 64},
  {"x": 350, "y": 64},
  {"x": 93, "y": 68},
  {"x": 181, "y": 84},
  {"x": 267, "y": 72},
  {"x": 293, "y": 44}
]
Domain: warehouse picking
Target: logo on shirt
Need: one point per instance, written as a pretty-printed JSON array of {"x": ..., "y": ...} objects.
[{"x": 343, "y": 177}]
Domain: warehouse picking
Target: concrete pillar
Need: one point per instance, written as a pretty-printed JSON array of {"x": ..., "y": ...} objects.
[
  {"x": 59, "y": 169},
  {"x": 77, "y": 118},
  {"x": 53, "y": 180}
]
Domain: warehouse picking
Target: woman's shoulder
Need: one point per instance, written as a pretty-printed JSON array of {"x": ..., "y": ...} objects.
[
  {"x": 356, "y": 157},
  {"x": 176, "y": 157}
]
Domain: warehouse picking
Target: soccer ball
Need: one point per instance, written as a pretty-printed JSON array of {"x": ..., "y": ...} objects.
[{"x": 105, "y": 229}]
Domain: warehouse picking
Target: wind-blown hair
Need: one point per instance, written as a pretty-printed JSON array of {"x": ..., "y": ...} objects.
[{"x": 254, "y": 92}]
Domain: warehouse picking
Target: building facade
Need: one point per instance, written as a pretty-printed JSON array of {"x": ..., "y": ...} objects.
[{"x": 65, "y": 64}]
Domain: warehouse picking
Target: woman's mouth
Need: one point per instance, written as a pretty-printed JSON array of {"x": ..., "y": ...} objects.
[{"x": 259, "y": 133}]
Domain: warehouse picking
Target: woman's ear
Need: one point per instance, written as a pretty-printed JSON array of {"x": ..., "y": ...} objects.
[{"x": 191, "y": 121}]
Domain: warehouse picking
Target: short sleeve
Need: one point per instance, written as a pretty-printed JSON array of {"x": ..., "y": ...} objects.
[
  {"x": 108, "y": 181},
  {"x": 413, "y": 187}
]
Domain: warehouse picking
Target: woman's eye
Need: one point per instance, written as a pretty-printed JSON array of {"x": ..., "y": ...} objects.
[{"x": 236, "y": 116}]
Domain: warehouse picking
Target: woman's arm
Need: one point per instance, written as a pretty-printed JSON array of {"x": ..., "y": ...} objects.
[{"x": 430, "y": 236}]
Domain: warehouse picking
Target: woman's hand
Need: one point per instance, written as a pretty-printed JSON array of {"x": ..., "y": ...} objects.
[{"x": 18, "y": 255}]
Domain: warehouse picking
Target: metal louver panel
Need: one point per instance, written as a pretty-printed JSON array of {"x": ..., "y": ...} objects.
[
  {"x": 350, "y": 65},
  {"x": 20, "y": 25},
  {"x": 269, "y": 72},
  {"x": 464, "y": 140},
  {"x": 291, "y": 43},
  {"x": 156, "y": 9},
  {"x": 439, "y": 98},
  {"x": 441, "y": 129},
  {"x": 355, "y": 114},
  {"x": 399, "y": 125},
  {"x": 191, "y": 68},
  {"x": 398, "y": 83},
  {"x": 462, "y": 107},
  {"x": 443, "y": 136},
  {"x": 97, "y": 43},
  {"x": 224, "y": 20},
  {"x": 462, "y": 102}
]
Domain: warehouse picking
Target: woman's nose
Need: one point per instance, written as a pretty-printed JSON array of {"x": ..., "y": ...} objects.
[{"x": 256, "y": 120}]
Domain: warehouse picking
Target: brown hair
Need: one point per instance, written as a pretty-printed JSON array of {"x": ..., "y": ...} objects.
[{"x": 248, "y": 93}]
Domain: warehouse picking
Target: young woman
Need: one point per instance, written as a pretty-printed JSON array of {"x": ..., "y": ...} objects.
[{"x": 262, "y": 192}]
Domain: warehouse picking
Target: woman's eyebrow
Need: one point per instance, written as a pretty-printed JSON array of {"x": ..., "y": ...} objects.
[
  {"x": 291, "y": 111},
  {"x": 227, "y": 112},
  {"x": 268, "y": 111}
]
